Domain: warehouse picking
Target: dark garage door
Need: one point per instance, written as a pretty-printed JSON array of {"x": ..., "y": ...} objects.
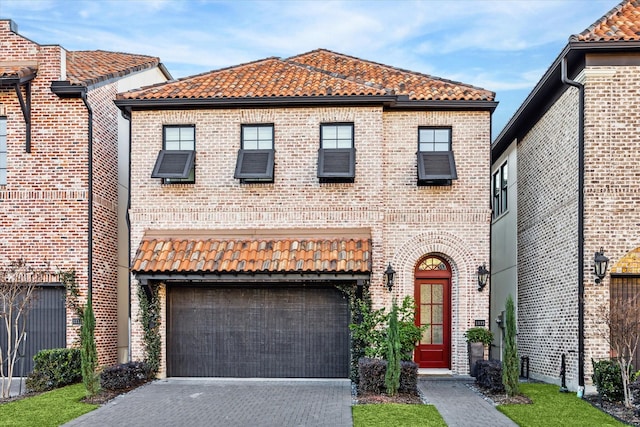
[
  {"x": 46, "y": 326},
  {"x": 261, "y": 332}
]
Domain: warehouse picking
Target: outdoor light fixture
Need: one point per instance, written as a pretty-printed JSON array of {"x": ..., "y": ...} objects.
[
  {"x": 600, "y": 263},
  {"x": 389, "y": 275},
  {"x": 483, "y": 277}
]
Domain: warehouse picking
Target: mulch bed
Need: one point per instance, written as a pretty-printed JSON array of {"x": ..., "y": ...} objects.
[
  {"x": 372, "y": 398},
  {"x": 615, "y": 409},
  {"x": 104, "y": 396},
  {"x": 500, "y": 398},
  {"x": 101, "y": 398}
]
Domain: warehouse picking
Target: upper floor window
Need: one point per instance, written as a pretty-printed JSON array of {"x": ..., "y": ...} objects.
[
  {"x": 436, "y": 164},
  {"x": 337, "y": 154},
  {"x": 500, "y": 186},
  {"x": 256, "y": 155},
  {"x": 176, "y": 161},
  {"x": 3, "y": 151}
]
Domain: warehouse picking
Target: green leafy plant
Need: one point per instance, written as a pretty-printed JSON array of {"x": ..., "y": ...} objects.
[
  {"x": 54, "y": 368},
  {"x": 358, "y": 296},
  {"x": 608, "y": 380},
  {"x": 479, "y": 334},
  {"x": 150, "y": 320},
  {"x": 372, "y": 329},
  {"x": 510, "y": 371},
  {"x": 88, "y": 352},
  {"x": 392, "y": 375}
]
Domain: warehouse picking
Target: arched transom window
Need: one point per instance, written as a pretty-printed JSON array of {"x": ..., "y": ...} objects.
[{"x": 432, "y": 264}]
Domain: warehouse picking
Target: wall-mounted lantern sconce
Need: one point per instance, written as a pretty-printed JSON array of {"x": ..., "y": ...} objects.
[
  {"x": 389, "y": 275},
  {"x": 483, "y": 277},
  {"x": 600, "y": 263}
]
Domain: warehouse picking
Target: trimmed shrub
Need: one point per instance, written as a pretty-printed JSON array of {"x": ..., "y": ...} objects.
[
  {"x": 372, "y": 374},
  {"x": 125, "y": 375},
  {"x": 408, "y": 378},
  {"x": 54, "y": 368},
  {"x": 489, "y": 375},
  {"x": 608, "y": 380}
]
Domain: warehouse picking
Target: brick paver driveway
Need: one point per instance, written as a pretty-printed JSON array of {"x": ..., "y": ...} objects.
[{"x": 228, "y": 402}]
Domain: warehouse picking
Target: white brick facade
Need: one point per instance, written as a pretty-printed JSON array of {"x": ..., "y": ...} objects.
[{"x": 547, "y": 223}]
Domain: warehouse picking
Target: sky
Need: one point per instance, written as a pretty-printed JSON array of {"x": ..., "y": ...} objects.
[{"x": 504, "y": 46}]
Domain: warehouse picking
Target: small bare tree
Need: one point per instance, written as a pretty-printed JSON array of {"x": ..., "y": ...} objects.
[
  {"x": 622, "y": 320},
  {"x": 18, "y": 281}
]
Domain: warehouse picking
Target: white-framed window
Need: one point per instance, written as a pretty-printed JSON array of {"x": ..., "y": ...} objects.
[
  {"x": 500, "y": 190},
  {"x": 436, "y": 163},
  {"x": 337, "y": 154},
  {"x": 176, "y": 161},
  {"x": 256, "y": 157}
]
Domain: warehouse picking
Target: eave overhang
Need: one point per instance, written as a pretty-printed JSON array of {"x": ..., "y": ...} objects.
[
  {"x": 298, "y": 278},
  {"x": 550, "y": 88},
  {"x": 387, "y": 101},
  {"x": 65, "y": 89},
  {"x": 446, "y": 105}
]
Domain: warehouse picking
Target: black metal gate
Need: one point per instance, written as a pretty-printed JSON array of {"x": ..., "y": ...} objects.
[
  {"x": 258, "y": 331},
  {"x": 46, "y": 327}
]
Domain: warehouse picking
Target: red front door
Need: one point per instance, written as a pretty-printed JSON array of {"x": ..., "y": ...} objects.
[{"x": 433, "y": 302}]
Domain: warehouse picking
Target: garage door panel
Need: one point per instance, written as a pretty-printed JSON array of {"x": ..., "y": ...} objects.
[{"x": 257, "y": 332}]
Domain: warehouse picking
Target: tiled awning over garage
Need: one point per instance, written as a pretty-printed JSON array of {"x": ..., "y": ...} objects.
[{"x": 192, "y": 255}]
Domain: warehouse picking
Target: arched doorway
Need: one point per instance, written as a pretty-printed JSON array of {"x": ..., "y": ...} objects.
[
  {"x": 624, "y": 303},
  {"x": 433, "y": 302}
]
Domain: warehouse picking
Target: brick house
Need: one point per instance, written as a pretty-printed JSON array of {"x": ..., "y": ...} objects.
[
  {"x": 565, "y": 186},
  {"x": 61, "y": 179},
  {"x": 265, "y": 194}
]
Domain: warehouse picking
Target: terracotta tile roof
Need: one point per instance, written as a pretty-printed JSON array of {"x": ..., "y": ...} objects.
[
  {"x": 266, "y": 78},
  {"x": 178, "y": 255},
  {"x": 320, "y": 73},
  {"x": 622, "y": 23},
  {"x": 416, "y": 85},
  {"x": 17, "y": 71},
  {"x": 92, "y": 66}
]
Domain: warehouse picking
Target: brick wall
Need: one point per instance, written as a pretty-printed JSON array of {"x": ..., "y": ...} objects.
[
  {"x": 612, "y": 187},
  {"x": 547, "y": 218},
  {"x": 105, "y": 208},
  {"x": 44, "y": 205},
  {"x": 406, "y": 221},
  {"x": 547, "y": 242}
]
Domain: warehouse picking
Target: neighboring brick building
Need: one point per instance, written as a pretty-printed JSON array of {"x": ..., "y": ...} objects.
[
  {"x": 264, "y": 194},
  {"x": 56, "y": 110},
  {"x": 571, "y": 188}
]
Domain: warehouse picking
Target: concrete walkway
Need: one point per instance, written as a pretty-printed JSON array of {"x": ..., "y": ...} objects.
[
  {"x": 459, "y": 405},
  {"x": 228, "y": 402}
]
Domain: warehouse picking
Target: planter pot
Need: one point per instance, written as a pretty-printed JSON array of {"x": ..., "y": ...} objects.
[{"x": 476, "y": 352}]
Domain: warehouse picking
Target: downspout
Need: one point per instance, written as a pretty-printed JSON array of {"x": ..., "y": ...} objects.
[
  {"x": 492, "y": 345},
  {"x": 127, "y": 115},
  {"x": 580, "y": 87},
  {"x": 90, "y": 198}
]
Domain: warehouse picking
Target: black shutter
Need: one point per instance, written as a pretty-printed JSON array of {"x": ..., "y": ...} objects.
[
  {"x": 255, "y": 165},
  {"x": 173, "y": 164},
  {"x": 436, "y": 167},
  {"x": 336, "y": 163}
]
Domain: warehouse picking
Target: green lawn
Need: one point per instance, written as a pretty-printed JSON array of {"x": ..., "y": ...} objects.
[
  {"x": 552, "y": 408},
  {"x": 47, "y": 409},
  {"x": 396, "y": 415}
]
